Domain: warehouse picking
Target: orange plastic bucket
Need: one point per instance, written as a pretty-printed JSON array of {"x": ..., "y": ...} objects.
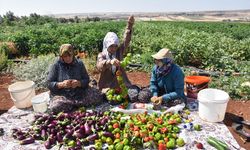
[{"x": 194, "y": 84}]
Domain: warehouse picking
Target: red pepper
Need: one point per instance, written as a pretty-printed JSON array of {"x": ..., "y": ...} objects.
[
  {"x": 136, "y": 128},
  {"x": 159, "y": 120},
  {"x": 162, "y": 146},
  {"x": 150, "y": 126},
  {"x": 115, "y": 125},
  {"x": 122, "y": 106},
  {"x": 164, "y": 130},
  {"x": 146, "y": 139},
  {"x": 171, "y": 121}
]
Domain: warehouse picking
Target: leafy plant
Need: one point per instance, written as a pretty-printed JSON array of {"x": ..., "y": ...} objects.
[
  {"x": 3, "y": 58},
  {"x": 36, "y": 70}
]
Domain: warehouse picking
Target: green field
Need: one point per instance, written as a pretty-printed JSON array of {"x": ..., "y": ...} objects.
[{"x": 223, "y": 47}]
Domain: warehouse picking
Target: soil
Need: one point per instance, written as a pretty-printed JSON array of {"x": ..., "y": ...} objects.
[{"x": 234, "y": 107}]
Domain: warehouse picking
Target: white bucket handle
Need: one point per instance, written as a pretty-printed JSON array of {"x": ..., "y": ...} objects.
[{"x": 22, "y": 90}]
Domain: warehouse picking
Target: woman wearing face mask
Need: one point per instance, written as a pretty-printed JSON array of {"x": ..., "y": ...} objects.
[
  {"x": 167, "y": 80},
  {"x": 108, "y": 62},
  {"x": 68, "y": 82}
]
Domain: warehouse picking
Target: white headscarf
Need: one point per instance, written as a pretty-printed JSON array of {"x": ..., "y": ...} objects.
[{"x": 110, "y": 39}]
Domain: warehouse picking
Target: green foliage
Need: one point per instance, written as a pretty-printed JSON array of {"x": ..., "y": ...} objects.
[
  {"x": 47, "y": 38},
  {"x": 234, "y": 85},
  {"x": 3, "y": 58},
  {"x": 36, "y": 70}
]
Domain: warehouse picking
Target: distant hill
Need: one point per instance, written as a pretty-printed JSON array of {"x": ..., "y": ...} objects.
[{"x": 231, "y": 15}]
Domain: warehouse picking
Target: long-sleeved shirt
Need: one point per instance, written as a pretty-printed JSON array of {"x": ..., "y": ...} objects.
[
  {"x": 170, "y": 86},
  {"x": 61, "y": 71},
  {"x": 107, "y": 79}
]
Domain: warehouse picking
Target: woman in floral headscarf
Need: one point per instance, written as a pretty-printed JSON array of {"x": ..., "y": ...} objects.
[
  {"x": 68, "y": 83},
  {"x": 108, "y": 62},
  {"x": 167, "y": 80}
]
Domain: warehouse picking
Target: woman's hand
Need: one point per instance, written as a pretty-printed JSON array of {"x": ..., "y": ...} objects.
[
  {"x": 75, "y": 83},
  {"x": 156, "y": 100},
  {"x": 131, "y": 20},
  {"x": 153, "y": 99},
  {"x": 115, "y": 62},
  {"x": 64, "y": 84}
]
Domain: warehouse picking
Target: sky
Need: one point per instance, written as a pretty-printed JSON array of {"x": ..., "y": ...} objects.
[{"x": 43, "y": 7}]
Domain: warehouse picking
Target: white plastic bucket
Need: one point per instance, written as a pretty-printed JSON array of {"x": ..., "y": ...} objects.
[
  {"x": 21, "y": 93},
  {"x": 212, "y": 104},
  {"x": 39, "y": 103}
]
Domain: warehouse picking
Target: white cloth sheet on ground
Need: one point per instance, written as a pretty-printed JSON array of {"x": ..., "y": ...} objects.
[{"x": 17, "y": 118}]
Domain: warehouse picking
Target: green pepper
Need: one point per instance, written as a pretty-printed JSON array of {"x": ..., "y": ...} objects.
[
  {"x": 98, "y": 145},
  {"x": 109, "y": 141},
  {"x": 106, "y": 113},
  {"x": 197, "y": 127},
  {"x": 176, "y": 129},
  {"x": 71, "y": 143},
  {"x": 180, "y": 142},
  {"x": 103, "y": 138},
  {"x": 116, "y": 141},
  {"x": 155, "y": 129},
  {"x": 117, "y": 130},
  {"x": 64, "y": 122},
  {"x": 111, "y": 147},
  {"x": 171, "y": 144},
  {"x": 119, "y": 146},
  {"x": 157, "y": 136},
  {"x": 125, "y": 141},
  {"x": 127, "y": 147},
  {"x": 110, "y": 128}
]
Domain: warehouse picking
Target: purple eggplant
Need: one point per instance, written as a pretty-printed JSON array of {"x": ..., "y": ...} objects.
[
  {"x": 21, "y": 137},
  {"x": 87, "y": 129},
  {"x": 48, "y": 145},
  {"x": 92, "y": 137},
  {"x": 78, "y": 143},
  {"x": 52, "y": 139},
  {"x": 78, "y": 134},
  {"x": 37, "y": 116},
  {"x": 108, "y": 134},
  {"x": 27, "y": 141},
  {"x": 14, "y": 135},
  {"x": 51, "y": 125},
  {"x": 44, "y": 134},
  {"x": 103, "y": 121},
  {"x": 69, "y": 127},
  {"x": 59, "y": 137},
  {"x": 14, "y": 130},
  {"x": 38, "y": 136}
]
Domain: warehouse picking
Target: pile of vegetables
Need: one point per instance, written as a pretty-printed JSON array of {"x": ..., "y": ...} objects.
[
  {"x": 120, "y": 94},
  {"x": 113, "y": 129},
  {"x": 72, "y": 130}
]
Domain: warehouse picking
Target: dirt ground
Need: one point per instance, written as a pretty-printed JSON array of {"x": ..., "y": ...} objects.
[{"x": 239, "y": 108}]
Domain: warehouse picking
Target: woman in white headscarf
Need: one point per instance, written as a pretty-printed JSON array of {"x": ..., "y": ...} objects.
[{"x": 108, "y": 60}]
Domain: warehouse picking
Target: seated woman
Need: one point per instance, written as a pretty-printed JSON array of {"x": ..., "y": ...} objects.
[
  {"x": 68, "y": 82},
  {"x": 167, "y": 80},
  {"x": 108, "y": 61}
]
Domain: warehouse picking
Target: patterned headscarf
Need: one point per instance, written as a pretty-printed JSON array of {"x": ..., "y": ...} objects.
[
  {"x": 66, "y": 49},
  {"x": 110, "y": 39},
  {"x": 166, "y": 68}
]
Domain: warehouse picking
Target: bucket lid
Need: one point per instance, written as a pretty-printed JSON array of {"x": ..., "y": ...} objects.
[
  {"x": 197, "y": 79},
  {"x": 38, "y": 99},
  {"x": 21, "y": 86},
  {"x": 211, "y": 95}
]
